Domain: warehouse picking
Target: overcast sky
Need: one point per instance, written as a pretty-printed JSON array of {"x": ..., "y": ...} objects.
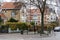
[{"x": 7, "y": 0}]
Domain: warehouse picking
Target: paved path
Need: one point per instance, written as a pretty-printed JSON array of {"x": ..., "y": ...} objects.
[{"x": 18, "y": 36}]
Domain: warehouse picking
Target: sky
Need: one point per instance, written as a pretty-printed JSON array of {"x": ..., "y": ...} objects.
[{"x": 6, "y": 0}]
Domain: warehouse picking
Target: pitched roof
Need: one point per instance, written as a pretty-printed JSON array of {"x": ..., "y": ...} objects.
[{"x": 12, "y": 5}]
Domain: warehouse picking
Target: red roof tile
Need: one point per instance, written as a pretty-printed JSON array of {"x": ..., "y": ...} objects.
[
  {"x": 11, "y": 5},
  {"x": 8, "y": 5}
]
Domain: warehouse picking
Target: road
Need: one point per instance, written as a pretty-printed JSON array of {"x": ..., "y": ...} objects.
[{"x": 18, "y": 36}]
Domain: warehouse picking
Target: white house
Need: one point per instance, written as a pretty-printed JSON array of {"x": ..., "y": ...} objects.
[{"x": 52, "y": 16}]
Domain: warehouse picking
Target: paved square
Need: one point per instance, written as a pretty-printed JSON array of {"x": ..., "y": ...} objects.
[{"x": 18, "y": 36}]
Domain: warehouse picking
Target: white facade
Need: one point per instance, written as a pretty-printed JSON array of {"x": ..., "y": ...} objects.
[
  {"x": 52, "y": 17},
  {"x": 23, "y": 15}
]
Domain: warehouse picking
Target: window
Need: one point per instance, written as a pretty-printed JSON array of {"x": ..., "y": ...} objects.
[
  {"x": 23, "y": 18},
  {"x": 5, "y": 11},
  {"x": 13, "y": 14},
  {"x": 35, "y": 16}
]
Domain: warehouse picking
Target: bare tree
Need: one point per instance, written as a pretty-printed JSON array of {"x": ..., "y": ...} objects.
[{"x": 41, "y": 5}]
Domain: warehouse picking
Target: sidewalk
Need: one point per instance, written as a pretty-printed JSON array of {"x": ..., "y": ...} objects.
[{"x": 18, "y": 36}]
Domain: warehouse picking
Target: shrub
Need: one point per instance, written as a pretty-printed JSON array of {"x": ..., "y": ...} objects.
[
  {"x": 1, "y": 20},
  {"x": 12, "y": 25},
  {"x": 54, "y": 24},
  {"x": 49, "y": 29},
  {"x": 12, "y": 20},
  {"x": 24, "y": 26},
  {"x": 4, "y": 28},
  {"x": 15, "y": 25},
  {"x": 18, "y": 26},
  {"x": 32, "y": 23}
]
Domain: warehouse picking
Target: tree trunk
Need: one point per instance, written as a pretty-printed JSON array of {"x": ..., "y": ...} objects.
[
  {"x": 42, "y": 23},
  {"x": 42, "y": 17}
]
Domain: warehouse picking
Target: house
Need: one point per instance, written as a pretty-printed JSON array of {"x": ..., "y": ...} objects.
[
  {"x": 34, "y": 14},
  {"x": 53, "y": 16},
  {"x": 12, "y": 9},
  {"x": 18, "y": 12},
  {"x": 3, "y": 17}
]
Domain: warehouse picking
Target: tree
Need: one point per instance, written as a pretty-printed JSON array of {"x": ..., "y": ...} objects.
[
  {"x": 23, "y": 27},
  {"x": 18, "y": 5},
  {"x": 33, "y": 24},
  {"x": 41, "y": 5},
  {"x": 12, "y": 20},
  {"x": 1, "y": 20},
  {"x": 54, "y": 24}
]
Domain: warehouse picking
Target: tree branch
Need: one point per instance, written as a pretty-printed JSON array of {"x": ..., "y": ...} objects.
[{"x": 43, "y": 6}]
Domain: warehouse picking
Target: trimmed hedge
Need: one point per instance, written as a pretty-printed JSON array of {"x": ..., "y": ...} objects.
[{"x": 20, "y": 25}]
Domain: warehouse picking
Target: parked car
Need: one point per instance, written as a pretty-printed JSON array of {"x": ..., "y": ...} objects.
[{"x": 57, "y": 29}]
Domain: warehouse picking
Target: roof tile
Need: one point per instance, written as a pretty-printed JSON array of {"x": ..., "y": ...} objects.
[{"x": 11, "y": 5}]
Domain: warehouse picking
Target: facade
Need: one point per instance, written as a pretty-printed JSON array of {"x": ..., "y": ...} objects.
[
  {"x": 11, "y": 9},
  {"x": 18, "y": 12},
  {"x": 3, "y": 17},
  {"x": 34, "y": 14},
  {"x": 53, "y": 17}
]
